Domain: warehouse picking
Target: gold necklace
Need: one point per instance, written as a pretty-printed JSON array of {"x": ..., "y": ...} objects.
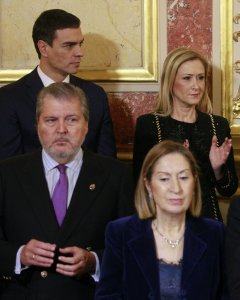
[{"x": 171, "y": 243}]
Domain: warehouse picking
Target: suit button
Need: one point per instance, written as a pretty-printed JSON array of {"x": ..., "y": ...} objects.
[{"x": 44, "y": 274}]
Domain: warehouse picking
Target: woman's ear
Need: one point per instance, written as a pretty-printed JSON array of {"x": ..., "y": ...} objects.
[{"x": 148, "y": 187}]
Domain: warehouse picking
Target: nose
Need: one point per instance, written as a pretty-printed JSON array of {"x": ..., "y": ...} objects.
[
  {"x": 62, "y": 128},
  {"x": 195, "y": 83},
  {"x": 79, "y": 51},
  {"x": 175, "y": 185}
]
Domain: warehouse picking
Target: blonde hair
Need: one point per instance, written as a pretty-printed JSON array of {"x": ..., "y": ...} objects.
[
  {"x": 145, "y": 205},
  {"x": 170, "y": 67}
]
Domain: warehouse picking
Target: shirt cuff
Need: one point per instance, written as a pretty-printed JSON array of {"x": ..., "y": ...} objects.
[
  {"x": 96, "y": 275},
  {"x": 18, "y": 265}
]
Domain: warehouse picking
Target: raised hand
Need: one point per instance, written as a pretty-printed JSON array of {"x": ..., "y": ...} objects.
[{"x": 219, "y": 155}]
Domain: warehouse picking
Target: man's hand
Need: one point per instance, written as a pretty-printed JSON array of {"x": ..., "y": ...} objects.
[
  {"x": 37, "y": 253},
  {"x": 75, "y": 261}
]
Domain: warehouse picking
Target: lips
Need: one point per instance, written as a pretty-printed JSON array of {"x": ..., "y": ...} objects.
[
  {"x": 61, "y": 141},
  {"x": 176, "y": 201}
]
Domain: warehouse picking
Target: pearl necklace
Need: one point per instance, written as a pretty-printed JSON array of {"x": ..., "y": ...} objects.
[{"x": 171, "y": 243}]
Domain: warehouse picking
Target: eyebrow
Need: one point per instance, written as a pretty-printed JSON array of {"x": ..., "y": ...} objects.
[
  {"x": 72, "y": 43},
  {"x": 167, "y": 173},
  {"x": 189, "y": 74}
]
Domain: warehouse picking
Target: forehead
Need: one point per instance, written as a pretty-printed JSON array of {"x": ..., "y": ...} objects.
[
  {"x": 52, "y": 103},
  {"x": 69, "y": 34},
  {"x": 191, "y": 66},
  {"x": 173, "y": 162}
]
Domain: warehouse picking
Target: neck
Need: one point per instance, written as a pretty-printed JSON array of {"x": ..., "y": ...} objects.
[
  {"x": 185, "y": 114},
  {"x": 56, "y": 77},
  {"x": 171, "y": 226}
]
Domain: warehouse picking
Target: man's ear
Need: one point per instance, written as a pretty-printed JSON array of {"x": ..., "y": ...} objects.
[{"x": 42, "y": 47}]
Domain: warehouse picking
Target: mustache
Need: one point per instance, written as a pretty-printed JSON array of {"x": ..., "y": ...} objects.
[{"x": 57, "y": 140}]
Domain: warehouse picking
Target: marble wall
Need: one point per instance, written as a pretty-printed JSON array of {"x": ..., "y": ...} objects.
[
  {"x": 189, "y": 24},
  {"x": 113, "y": 40}
]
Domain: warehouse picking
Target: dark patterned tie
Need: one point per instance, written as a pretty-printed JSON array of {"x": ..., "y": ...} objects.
[{"x": 60, "y": 194}]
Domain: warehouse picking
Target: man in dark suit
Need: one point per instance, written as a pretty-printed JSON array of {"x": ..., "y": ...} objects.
[
  {"x": 42, "y": 257},
  {"x": 58, "y": 41}
]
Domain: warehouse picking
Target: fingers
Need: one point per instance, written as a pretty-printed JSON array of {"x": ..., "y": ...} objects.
[
  {"x": 214, "y": 141},
  {"x": 37, "y": 253},
  {"x": 77, "y": 262},
  {"x": 186, "y": 144}
]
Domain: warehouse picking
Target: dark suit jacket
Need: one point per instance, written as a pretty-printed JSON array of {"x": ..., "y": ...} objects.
[
  {"x": 233, "y": 249},
  {"x": 130, "y": 270},
  {"x": 26, "y": 212},
  {"x": 18, "y": 123}
]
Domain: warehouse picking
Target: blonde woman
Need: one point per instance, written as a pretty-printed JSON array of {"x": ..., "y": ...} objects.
[{"x": 184, "y": 114}]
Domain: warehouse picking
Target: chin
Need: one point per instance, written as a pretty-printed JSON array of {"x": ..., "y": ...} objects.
[
  {"x": 177, "y": 210},
  {"x": 73, "y": 70},
  {"x": 61, "y": 153}
]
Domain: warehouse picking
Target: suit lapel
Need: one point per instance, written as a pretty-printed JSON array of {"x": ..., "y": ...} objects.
[
  {"x": 37, "y": 195},
  {"x": 144, "y": 252},
  {"x": 34, "y": 85},
  {"x": 194, "y": 248}
]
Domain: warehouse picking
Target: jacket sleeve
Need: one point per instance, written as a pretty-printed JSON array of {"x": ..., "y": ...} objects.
[
  {"x": 106, "y": 142},
  {"x": 10, "y": 133},
  {"x": 228, "y": 184},
  {"x": 111, "y": 278}
]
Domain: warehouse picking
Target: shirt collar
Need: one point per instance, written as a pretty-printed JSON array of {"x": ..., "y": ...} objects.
[
  {"x": 47, "y": 80},
  {"x": 49, "y": 163}
]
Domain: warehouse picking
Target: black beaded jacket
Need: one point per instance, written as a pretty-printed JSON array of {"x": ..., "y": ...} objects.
[{"x": 152, "y": 128}]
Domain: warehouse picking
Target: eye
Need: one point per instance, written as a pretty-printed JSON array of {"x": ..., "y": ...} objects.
[
  {"x": 183, "y": 177},
  {"x": 164, "y": 179},
  {"x": 69, "y": 45},
  {"x": 72, "y": 120},
  {"x": 201, "y": 77},
  {"x": 51, "y": 121},
  {"x": 186, "y": 77}
]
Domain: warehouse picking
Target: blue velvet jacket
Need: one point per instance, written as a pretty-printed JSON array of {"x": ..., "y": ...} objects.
[{"x": 130, "y": 270}]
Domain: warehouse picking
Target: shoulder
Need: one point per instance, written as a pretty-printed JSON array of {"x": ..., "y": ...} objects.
[
  {"x": 103, "y": 162},
  {"x": 86, "y": 85},
  {"x": 19, "y": 86},
  {"x": 210, "y": 117},
  {"x": 146, "y": 119},
  {"x": 219, "y": 120},
  {"x": 148, "y": 116},
  {"x": 21, "y": 161},
  {"x": 234, "y": 207},
  {"x": 125, "y": 225},
  {"x": 206, "y": 226}
]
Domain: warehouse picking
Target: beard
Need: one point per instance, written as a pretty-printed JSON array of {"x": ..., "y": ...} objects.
[{"x": 58, "y": 154}]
